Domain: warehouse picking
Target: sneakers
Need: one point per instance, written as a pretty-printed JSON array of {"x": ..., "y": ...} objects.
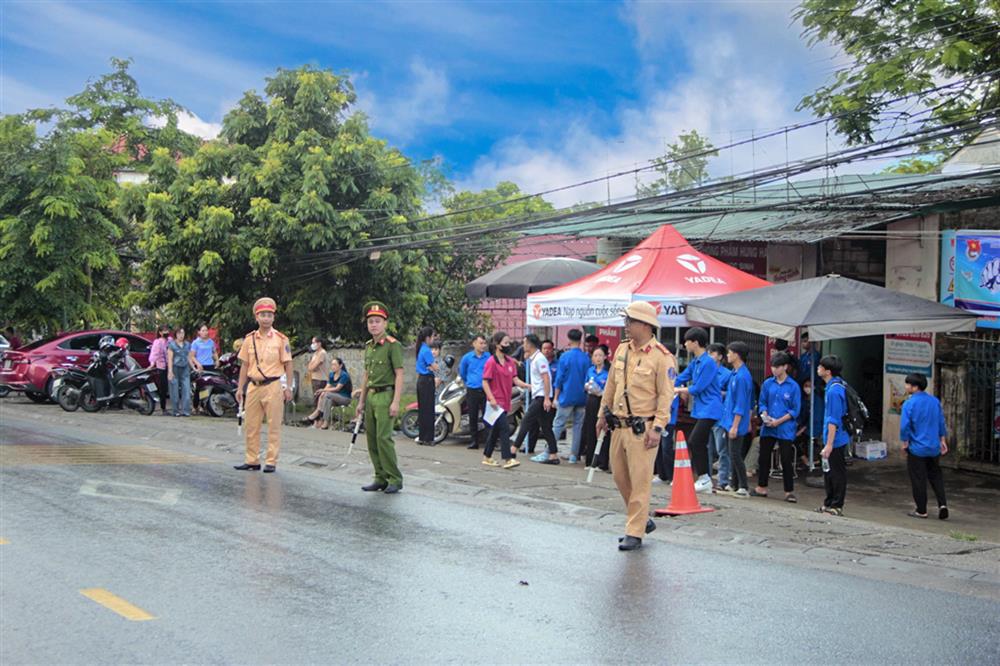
[
  {"x": 943, "y": 513},
  {"x": 572, "y": 460},
  {"x": 490, "y": 462},
  {"x": 511, "y": 464},
  {"x": 703, "y": 484},
  {"x": 742, "y": 493},
  {"x": 541, "y": 457}
]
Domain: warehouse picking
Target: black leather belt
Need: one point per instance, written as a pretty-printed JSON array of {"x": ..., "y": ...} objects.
[
  {"x": 264, "y": 382},
  {"x": 379, "y": 389}
]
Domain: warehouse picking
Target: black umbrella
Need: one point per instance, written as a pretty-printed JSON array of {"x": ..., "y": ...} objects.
[{"x": 519, "y": 280}]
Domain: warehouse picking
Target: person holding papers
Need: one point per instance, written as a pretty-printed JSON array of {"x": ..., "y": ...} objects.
[{"x": 499, "y": 378}]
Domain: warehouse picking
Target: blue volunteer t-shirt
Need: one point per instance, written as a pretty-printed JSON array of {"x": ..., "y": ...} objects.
[
  {"x": 700, "y": 375},
  {"x": 776, "y": 400},
  {"x": 922, "y": 425},
  {"x": 470, "y": 369},
  {"x": 597, "y": 376},
  {"x": 570, "y": 377},
  {"x": 739, "y": 399},
  {"x": 425, "y": 359},
  {"x": 834, "y": 412}
]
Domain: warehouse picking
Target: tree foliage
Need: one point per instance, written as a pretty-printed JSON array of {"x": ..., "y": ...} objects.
[
  {"x": 683, "y": 165},
  {"x": 64, "y": 251},
  {"x": 905, "y": 48},
  {"x": 297, "y": 201}
]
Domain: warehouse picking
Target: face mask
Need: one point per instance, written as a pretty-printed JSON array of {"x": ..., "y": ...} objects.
[
  {"x": 314, "y": 346},
  {"x": 164, "y": 334},
  {"x": 506, "y": 349}
]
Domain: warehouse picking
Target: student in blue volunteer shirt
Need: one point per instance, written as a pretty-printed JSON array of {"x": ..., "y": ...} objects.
[
  {"x": 923, "y": 432},
  {"x": 570, "y": 397},
  {"x": 736, "y": 414},
  {"x": 597, "y": 377},
  {"x": 470, "y": 369},
  {"x": 779, "y": 404},
  {"x": 700, "y": 376},
  {"x": 718, "y": 446},
  {"x": 835, "y": 436},
  {"x": 426, "y": 367}
]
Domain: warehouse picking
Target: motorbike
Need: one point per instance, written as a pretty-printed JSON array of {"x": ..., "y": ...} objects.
[
  {"x": 451, "y": 413},
  {"x": 107, "y": 383},
  {"x": 217, "y": 388},
  {"x": 67, "y": 383}
]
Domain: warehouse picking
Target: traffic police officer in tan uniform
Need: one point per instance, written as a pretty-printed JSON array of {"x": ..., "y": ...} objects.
[
  {"x": 265, "y": 362},
  {"x": 381, "y": 389},
  {"x": 636, "y": 406}
]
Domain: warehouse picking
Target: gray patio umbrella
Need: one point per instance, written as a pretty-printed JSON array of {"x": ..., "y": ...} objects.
[
  {"x": 520, "y": 279},
  {"x": 830, "y": 307}
]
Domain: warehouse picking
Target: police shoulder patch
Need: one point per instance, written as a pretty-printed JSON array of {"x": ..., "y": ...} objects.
[
  {"x": 672, "y": 373},
  {"x": 663, "y": 349}
]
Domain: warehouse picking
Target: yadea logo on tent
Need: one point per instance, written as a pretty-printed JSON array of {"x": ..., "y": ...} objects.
[
  {"x": 630, "y": 261},
  {"x": 537, "y": 310},
  {"x": 697, "y": 265}
]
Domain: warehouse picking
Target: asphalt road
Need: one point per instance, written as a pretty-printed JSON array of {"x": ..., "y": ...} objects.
[{"x": 218, "y": 566}]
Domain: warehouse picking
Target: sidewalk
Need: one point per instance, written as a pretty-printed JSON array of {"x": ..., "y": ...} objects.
[{"x": 874, "y": 539}]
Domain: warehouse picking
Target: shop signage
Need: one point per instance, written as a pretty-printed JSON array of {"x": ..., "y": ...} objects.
[{"x": 906, "y": 354}]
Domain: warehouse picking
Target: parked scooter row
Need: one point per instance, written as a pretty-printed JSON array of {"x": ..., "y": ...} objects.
[{"x": 111, "y": 378}]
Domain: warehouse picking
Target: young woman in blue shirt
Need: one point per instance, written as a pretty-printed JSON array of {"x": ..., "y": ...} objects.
[
  {"x": 779, "y": 404},
  {"x": 597, "y": 377},
  {"x": 923, "y": 433},
  {"x": 426, "y": 367}
]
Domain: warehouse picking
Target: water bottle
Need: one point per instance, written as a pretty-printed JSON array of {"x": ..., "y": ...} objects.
[{"x": 826, "y": 465}]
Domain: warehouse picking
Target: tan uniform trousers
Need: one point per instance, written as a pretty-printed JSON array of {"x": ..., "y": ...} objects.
[
  {"x": 632, "y": 470},
  {"x": 261, "y": 400}
]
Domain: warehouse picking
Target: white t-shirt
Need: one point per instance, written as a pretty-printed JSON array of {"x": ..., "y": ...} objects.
[{"x": 537, "y": 369}]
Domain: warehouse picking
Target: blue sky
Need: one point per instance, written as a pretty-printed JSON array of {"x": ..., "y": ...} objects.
[{"x": 542, "y": 93}]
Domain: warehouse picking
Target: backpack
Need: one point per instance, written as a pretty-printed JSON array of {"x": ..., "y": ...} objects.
[{"x": 857, "y": 413}]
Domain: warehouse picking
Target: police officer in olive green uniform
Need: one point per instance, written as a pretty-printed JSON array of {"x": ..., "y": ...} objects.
[{"x": 381, "y": 389}]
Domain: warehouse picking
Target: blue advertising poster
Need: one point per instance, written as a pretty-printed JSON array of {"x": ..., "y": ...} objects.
[
  {"x": 977, "y": 274},
  {"x": 948, "y": 267}
]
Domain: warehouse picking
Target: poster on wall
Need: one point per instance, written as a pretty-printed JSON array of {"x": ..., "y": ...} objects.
[
  {"x": 977, "y": 275},
  {"x": 906, "y": 354},
  {"x": 947, "y": 287},
  {"x": 996, "y": 406}
]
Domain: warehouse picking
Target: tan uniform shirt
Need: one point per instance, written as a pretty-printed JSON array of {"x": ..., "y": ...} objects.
[
  {"x": 651, "y": 372},
  {"x": 272, "y": 354},
  {"x": 322, "y": 370}
]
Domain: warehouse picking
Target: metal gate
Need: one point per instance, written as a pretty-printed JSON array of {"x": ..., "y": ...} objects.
[{"x": 969, "y": 370}]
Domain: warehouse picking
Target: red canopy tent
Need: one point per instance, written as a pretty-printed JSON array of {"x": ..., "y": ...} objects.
[{"x": 663, "y": 269}]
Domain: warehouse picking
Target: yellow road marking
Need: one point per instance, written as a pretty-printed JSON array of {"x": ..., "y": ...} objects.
[{"x": 117, "y": 604}]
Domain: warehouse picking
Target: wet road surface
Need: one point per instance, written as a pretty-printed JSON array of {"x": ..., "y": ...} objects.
[{"x": 296, "y": 567}]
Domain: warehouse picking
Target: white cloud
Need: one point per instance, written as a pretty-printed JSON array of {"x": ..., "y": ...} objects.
[
  {"x": 747, "y": 70},
  {"x": 191, "y": 124},
  {"x": 423, "y": 101}
]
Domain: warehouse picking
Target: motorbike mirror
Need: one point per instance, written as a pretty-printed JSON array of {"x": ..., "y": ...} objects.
[{"x": 449, "y": 360}]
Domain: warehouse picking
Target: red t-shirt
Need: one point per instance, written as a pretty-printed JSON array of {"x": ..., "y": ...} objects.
[{"x": 501, "y": 379}]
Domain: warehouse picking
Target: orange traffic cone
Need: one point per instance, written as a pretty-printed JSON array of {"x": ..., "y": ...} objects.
[{"x": 683, "y": 499}]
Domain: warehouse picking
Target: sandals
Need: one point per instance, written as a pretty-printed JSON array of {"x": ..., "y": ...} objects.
[
  {"x": 829, "y": 510},
  {"x": 790, "y": 498},
  {"x": 754, "y": 493},
  {"x": 914, "y": 514}
]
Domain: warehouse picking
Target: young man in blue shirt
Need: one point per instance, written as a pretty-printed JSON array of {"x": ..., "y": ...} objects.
[
  {"x": 779, "y": 404},
  {"x": 835, "y": 436},
  {"x": 700, "y": 376},
  {"x": 923, "y": 432},
  {"x": 570, "y": 396},
  {"x": 470, "y": 369},
  {"x": 736, "y": 414},
  {"x": 718, "y": 445}
]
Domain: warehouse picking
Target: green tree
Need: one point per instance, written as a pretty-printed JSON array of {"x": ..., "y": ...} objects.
[
  {"x": 905, "y": 48},
  {"x": 454, "y": 314},
  {"x": 916, "y": 165},
  {"x": 298, "y": 201},
  {"x": 64, "y": 252},
  {"x": 683, "y": 165}
]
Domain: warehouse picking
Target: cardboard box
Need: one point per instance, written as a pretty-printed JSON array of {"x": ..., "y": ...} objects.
[{"x": 871, "y": 450}]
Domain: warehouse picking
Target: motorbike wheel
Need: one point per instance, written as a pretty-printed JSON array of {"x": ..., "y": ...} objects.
[
  {"x": 218, "y": 403},
  {"x": 441, "y": 430},
  {"x": 40, "y": 398},
  {"x": 68, "y": 398},
  {"x": 146, "y": 404},
  {"x": 4, "y": 391},
  {"x": 88, "y": 400},
  {"x": 410, "y": 424}
]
